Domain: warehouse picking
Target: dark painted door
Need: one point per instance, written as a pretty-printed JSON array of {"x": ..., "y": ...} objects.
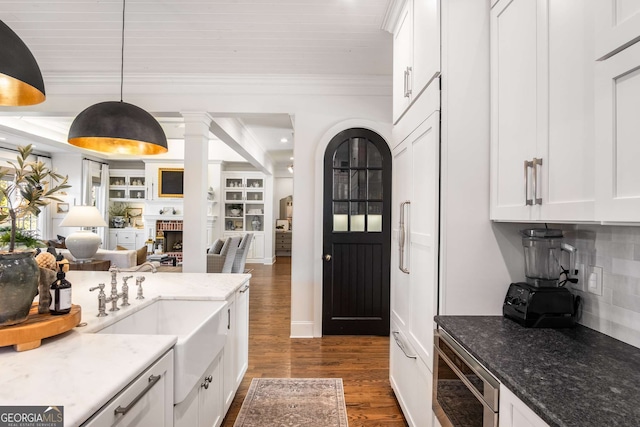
[{"x": 356, "y": 234}]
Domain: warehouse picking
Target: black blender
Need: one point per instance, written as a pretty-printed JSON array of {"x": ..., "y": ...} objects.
[{"x": 543, "y": 301}]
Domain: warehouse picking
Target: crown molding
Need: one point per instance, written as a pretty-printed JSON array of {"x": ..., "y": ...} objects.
[
  {"x": 218, "y": 83},
  {"x": 392, "y": 14}
]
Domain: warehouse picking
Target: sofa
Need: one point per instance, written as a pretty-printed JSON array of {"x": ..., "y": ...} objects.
[{"x": 120, "y": 258}]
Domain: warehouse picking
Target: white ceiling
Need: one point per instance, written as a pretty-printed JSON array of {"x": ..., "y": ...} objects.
[{"x": 173, "y": 37}]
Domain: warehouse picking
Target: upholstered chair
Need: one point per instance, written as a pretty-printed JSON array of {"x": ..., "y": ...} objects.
[
  {"x": 241, "y": 254},
  {"x": 222, "y": 262}
]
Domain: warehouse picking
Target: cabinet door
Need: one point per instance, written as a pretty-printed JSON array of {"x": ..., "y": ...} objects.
[
  {"x": 426, "y": 44},
  {"x": 423, "y": 235},
  {"x": 617, "y": 26},
  {"x": 514, "y": 413},
  {"x": 567, "y": 148},
  {"x": 256, "y": 250},
  {"x": 210, "y": 399},
  {"x": 113, "y": 240},
  {"x": 617, "y": 130},
  {"x": 126, "y": 239},
  {"x": 402, "y": 59},
  {"x": 154, "y": 406},
  {"x": 514, "y": 106},
  {"x": 229, "y": 377},
  {"x": 242, "y": 334},
  {"x": 402, "y": 191}
]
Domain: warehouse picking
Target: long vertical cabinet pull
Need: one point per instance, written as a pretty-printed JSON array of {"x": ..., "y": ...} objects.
[
  {"x": 409, "y": 83},
  {"x": 534, "y": 164},
  {"x": 527, "y": 165},
  {"x": 402, "y": 237}
]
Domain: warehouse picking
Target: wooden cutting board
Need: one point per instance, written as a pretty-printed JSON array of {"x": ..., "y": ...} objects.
[{"x": 29, "y": 334}]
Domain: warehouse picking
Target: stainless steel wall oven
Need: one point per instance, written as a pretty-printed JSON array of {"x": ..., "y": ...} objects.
[{"x": 465, "y": 394}]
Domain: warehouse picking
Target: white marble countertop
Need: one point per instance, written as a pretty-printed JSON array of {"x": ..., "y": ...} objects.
[{"x": 82, "y": 371}]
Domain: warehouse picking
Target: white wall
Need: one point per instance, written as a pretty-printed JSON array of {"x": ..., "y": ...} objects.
[{"x": 282, "y": 187}]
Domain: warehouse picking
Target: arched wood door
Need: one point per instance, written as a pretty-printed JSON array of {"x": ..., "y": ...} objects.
[{"x": 356, "y": 234}]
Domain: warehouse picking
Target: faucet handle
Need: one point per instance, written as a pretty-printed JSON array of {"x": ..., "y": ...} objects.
[
  {"x": 100, "y": 286},
  {"x": 139, "y": 280},
  {"x": 125, "y": 278}
]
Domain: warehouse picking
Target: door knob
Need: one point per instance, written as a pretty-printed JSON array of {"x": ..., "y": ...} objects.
[{"x": 327, "y": 257}]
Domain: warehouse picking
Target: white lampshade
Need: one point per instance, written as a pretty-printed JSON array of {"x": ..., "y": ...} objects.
[
  {"x": 83, "y": 244},
  {"x": 83, "y": 216}
]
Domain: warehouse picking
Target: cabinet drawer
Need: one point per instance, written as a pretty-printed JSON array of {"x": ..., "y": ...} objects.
[{"x": 150, "y": 404}]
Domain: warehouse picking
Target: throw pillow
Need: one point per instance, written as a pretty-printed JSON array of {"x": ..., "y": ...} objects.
[
  {"x": 141, "y": 255},
  {"x": 216, "y": 247},
  {"x": 121, "y": 248}
]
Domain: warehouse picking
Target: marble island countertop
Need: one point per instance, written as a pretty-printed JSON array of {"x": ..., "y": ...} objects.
[
  {"x": 570, "y": 377},
  {"x": 81, "y": 370}
]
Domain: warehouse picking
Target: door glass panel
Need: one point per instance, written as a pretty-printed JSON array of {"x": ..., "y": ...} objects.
[
  {"x": 374, "y": 217},
  {"x": 358, "y": 210},
  {"x": 341, "y": 156},
  {"x": 358, "y": 153},
  {"x": 375, "y": 184},
  {"x": 374, "y": 158},
  {"x": 341, "y": 184},
  {"x": 358, "y": 184},
  {"x": 340, "y": 216},
  {"x": 254, "y": 195}
]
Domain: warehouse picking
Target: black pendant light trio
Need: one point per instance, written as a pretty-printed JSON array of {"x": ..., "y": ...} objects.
[{"x": 110, "y": 127}]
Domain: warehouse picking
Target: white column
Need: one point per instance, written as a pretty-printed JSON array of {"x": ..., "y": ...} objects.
[{"x": 196, "y": 153}]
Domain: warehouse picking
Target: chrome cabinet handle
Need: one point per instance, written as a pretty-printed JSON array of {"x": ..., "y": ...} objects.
[
  {"x": 409, "y": 88},
  {"x": 122, "y": 410},
  {"x": 245, "y": 289},
  {"x": 396, "y": 337},
  {"x": 534, "y": 164},
  {"x": 404, "y": 84},
  {"x": 402, "y": 237},
  {"x": 527, "y": 165}
]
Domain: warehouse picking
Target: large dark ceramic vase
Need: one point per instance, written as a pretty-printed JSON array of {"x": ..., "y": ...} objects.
[{"x": 19, "y": 276}]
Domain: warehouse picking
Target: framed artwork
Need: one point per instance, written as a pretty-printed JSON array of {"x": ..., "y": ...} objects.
[
  {"x": 134, "y": 212},
  {"x": 282, "y": 225},
  {"x": 62, "y": 208},
  {"x": 170, "y": 182},
  {"x": 138, "y": 222}
]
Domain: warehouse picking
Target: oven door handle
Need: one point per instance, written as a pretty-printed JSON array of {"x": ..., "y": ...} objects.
[{"x": 464, "y": 379}]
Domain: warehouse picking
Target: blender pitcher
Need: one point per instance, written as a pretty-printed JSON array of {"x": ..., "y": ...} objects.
[{"x": 545, "y": 257}]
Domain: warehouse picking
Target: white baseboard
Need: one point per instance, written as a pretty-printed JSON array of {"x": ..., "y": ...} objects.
[{"x": 302, "y": 330}]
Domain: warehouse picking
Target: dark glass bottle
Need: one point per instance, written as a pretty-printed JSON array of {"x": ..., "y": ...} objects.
[{"x": 60, "y": 294}]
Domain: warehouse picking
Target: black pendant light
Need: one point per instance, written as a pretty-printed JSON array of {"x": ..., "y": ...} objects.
[
  {"x": 20, "y": 78},
  {"x": 118, "y": 127}
]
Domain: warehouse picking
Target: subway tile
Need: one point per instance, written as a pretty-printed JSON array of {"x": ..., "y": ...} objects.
[
  {"x": 625, "y": 267},
  {"x": 630, "y": 302},
  {"x": 624, "y": 284},
  {"x": 622, "y": 250},
  {"x": 625, "y": 234}
]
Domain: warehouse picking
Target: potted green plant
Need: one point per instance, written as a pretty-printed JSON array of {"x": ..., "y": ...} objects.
[{"x": 32, "y": 186}]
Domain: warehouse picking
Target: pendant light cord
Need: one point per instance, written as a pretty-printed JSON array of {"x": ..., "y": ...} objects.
[{"x": 122, "y": 52}]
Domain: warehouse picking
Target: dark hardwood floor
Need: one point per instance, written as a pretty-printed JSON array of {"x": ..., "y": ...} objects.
[{"x": 361, "y": 361}]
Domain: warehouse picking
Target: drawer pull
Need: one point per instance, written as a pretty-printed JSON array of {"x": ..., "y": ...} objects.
[
  {"x": 396, "y": 336},
  {"x": 245, "y": 289},
  {"x": 153, "y": 379}
]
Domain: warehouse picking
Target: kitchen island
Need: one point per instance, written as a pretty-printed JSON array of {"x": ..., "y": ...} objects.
[
  {"x": 82, "y": 371},
  {"x": 574, "y": 377}
]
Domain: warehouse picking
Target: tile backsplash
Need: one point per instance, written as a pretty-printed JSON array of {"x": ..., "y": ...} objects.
[{"x": 617, "y": 250}]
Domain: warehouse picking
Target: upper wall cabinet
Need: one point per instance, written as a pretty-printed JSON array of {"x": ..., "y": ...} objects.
[
  {"x": 542, "y": 110},
  {"x": 617, "y": 26},
  {"x": 617, "y": 130},
  {"x": 416, "y": 52}
]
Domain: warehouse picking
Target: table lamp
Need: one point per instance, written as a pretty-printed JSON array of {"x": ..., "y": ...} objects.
[{"x": 83, "y": 244}]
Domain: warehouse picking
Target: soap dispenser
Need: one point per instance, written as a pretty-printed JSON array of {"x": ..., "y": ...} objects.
[{"x": 60, "y": 294}]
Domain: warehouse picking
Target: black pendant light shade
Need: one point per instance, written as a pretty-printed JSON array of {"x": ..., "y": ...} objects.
[
  {"x": 118, "y": 127},
  {"x": 20, "y": 78}
]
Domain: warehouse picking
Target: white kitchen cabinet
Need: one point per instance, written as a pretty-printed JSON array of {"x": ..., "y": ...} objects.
[
  {"x": 128, "y": 238},
  {"x": 617, "y": 26},
  {"x": 411, "y": 381},
  {"x": 617, "y": 130},
  {"x": 542, "y": 111},
  {"x": 147, "y": 401},
  {"x": 204, "y": 405},
  {"x": 236, "y": 357},
  {"x": 514, "y": 413},
  {"x": 416, "y": 52},
  {"x": 414, "y": 261}
]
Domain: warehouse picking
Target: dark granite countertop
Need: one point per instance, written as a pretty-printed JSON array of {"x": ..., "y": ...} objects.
[{"x": 569, "y": 377}]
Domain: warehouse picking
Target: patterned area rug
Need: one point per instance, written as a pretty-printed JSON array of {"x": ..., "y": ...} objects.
[{"x": 294, "y": 402}]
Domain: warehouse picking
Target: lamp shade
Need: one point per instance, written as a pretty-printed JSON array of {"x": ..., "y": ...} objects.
[
  {"x": 20, "y": 78},
  {"x": 83, "y": 216},
  {"x": 118, "y": 127}
]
